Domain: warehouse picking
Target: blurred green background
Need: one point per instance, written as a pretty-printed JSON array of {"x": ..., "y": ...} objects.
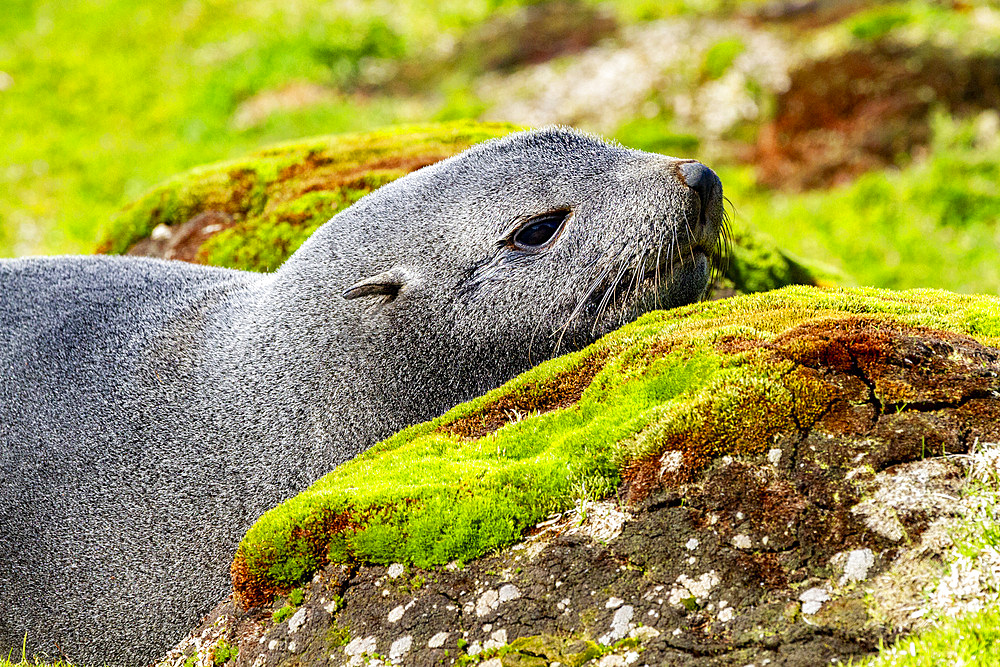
[{"x": 857, "y": 134}]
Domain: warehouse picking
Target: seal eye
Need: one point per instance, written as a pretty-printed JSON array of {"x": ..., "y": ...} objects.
[{"x": 539, "y": 230}]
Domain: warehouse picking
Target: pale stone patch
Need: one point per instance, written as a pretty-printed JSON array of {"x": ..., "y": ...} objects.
[
  {"x": 812, "y": 600},
  {"x": 297, "y": 620},
  {"x": 438, "y": 640},
  {"x": 400, "y": 647},
  {"x": 507, "y": 593},
  {"x": 396, "y": 570},
  {"x": 671, "y": 462},
  {"x": 741, "y": 541},
  {"x": 487, "y": 602},
  {"x": 497, "y": 639},
  {"x": 644, "y": 633},
  {"x": 359, "y": 647},
  {"x": 397, "y": 612},
  {"x": 493, "y": 598},
  {"x": 856, "y": 565},
  {"x": 687, "y": 587},
  {"x": 921, "y": 486},
  {"x": 620, "y": 625},
  {"x": 613, "y": 603}
]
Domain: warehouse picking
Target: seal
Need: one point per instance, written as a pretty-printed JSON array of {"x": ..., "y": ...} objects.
[{"x": 151, "y": 410}]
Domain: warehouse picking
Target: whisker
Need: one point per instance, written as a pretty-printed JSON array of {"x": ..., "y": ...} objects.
[
  {"x": 582, "y": 303},
  {"x": 606, "y": 297},
  {"x": 656, "y": 275},
  {"x": 638, "y": 273},
  {"x": 690, "y": 239}
]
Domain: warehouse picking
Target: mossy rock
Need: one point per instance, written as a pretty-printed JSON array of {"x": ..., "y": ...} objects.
[
  {"x": 254, "y": 212},
  {"x": 653, "y": 403}
]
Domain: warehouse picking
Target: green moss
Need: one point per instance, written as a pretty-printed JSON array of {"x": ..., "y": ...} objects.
[
  {"x": 550, "y": 649},
  {"x": 276, "y": 197},
  {"x": 469, "y": 481},
  {"x": 223, "y": 652},
  {"x": 337, "y": 636},
  {"x": 758, "y": 264},
  {"x": 281, "y": 614}
]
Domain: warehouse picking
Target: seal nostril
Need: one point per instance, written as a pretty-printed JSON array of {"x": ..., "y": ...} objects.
[{"x": 702, "y": 180}]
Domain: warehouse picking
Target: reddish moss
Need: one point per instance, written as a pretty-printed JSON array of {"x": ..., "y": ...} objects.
[
  {"x": 253, "y": 586},
  {"x": 562, "y": 390},
  {"x": 903, "y": 364}
]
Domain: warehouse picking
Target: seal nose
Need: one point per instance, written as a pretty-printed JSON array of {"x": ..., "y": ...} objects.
[{"x": 703, "y": 181}]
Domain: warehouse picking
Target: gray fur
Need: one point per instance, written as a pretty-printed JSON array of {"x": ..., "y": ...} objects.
[{"x": 150, "y": 411}]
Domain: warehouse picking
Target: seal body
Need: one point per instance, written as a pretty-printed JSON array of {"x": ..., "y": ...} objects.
[{"x": 150, "y": 411}]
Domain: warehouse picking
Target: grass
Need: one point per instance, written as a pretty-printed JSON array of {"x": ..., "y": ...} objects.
[
  {"x": 104, "y": 98},
  {"x": 967, "y": 641},
  {"x": 935, "y": 223}
]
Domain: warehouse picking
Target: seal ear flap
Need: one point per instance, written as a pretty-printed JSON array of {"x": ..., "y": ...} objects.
[{"x": 387, "y": 284}]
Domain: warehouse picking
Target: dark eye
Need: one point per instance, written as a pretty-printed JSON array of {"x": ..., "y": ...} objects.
[{"x": 539, "y": 230}]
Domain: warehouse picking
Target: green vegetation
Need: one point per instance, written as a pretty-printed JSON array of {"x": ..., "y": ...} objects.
[
  {"x": 337, "y": 636},
  {"x": 923, "y": 21},
  {"x": 720, "y": 57},
  {"x": 972, "y": 640},
  {"x": 223, "y": 652},
  {"x": 282, "y": 613},
  {"x": 100, "y": 100},
  {"x": 935, "y": 220},
  {"x": 475, "y": 478}
]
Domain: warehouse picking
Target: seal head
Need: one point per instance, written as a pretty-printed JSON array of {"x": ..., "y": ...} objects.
[{"x": 540, "y": 241}]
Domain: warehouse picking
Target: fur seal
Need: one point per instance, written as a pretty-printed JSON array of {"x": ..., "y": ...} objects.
[{"x": 150, "y": 410}]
